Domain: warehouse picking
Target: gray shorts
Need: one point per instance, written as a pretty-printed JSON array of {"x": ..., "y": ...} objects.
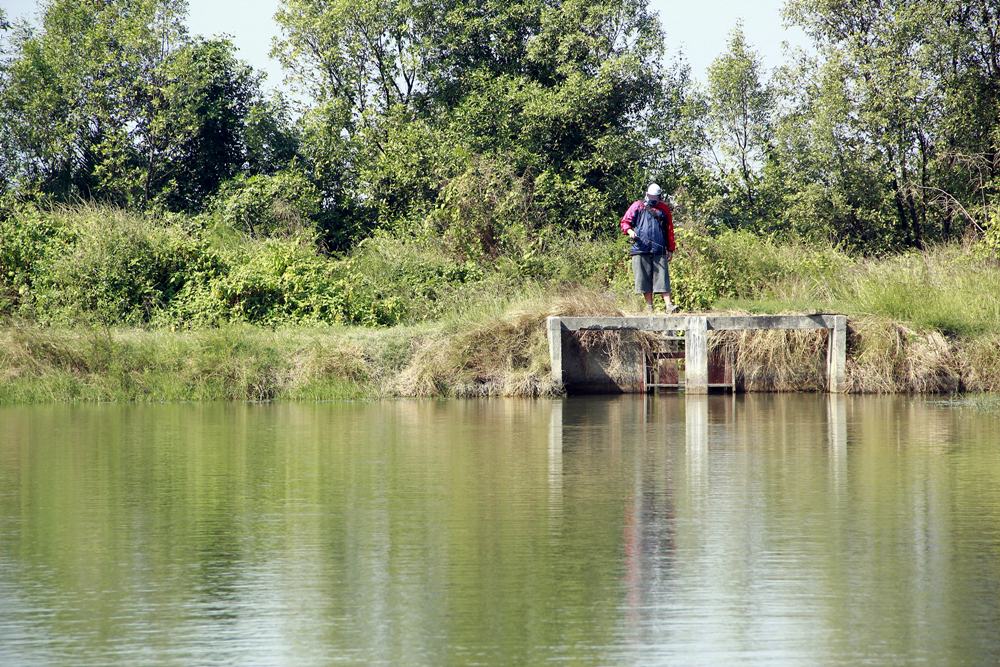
[{"x": 652, "y": 273}]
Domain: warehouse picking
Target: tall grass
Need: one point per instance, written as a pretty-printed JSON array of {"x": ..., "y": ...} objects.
[
  {"x": 945, "y": 288},
  {"x": 926, "y": 321},
  {"x": 497, "y": 349}
]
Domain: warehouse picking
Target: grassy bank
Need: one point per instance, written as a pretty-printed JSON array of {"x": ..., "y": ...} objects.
[
  {"x": 497, "y": 350},
  {"x": 103, "y": 305},
  {"x": 491, "y": 350}
]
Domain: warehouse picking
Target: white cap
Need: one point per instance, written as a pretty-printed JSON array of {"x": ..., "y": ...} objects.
[{"x": 654, "y": 191}]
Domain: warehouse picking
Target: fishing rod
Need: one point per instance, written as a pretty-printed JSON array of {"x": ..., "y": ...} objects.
[{"x": 649, "y": 241}]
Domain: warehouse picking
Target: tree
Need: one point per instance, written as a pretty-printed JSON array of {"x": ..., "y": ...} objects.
[
  {"x": 561, "y": 90},
  {"x": 113, "y": 101},
  {"x": 364, "y": 52},
  {"x": 8, "y": 158},
  {"x": 74, "y": 92},
  {"x": 194, "y": 136},
  {"x": 821, "y": 164},
  {"x": 270, "y": 135},
  {"x": 740, "y": 115},
  {"x": 922, "y": 80},
  {"x": 683, "y": 160}
]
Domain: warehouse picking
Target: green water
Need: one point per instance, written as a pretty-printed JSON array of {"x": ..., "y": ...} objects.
[{"x": 761, "y": 529}]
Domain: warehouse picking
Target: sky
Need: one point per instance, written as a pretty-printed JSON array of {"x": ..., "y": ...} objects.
[{"x": 698, "y": 28}]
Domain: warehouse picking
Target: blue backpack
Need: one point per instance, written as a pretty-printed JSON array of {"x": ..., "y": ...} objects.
[{"x": 650, "y": 225}]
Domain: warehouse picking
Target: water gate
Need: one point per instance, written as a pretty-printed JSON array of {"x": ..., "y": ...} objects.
[{"x": 573, "y": 367}]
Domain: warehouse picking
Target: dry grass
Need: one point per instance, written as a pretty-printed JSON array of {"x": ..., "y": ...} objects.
[
  {"x": 981, "y": 364},
  {"x": 776, "y": 360},
  {"x": 883, "y": 357},
  {"x": 886, "y": 357},
  {"x": 499, "y": 349},
  {"x": 502, "y": 354}
]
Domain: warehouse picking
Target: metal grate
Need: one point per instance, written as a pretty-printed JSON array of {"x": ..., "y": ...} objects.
[
  {"x": 664, "y": 363},
  {"x": 663, "y": 366}
]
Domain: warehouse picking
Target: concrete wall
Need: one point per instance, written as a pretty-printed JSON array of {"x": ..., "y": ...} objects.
[{"x": 593, "y": 371}]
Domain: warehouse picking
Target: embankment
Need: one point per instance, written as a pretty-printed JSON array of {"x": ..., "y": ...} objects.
[
  {"x": 99, "y": 304},
  {"x": 498, "y": 353}
]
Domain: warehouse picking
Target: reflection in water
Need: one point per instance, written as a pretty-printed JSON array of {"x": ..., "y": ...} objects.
[
  {"x": 836, "y": 415},
  {"x": 710, "y": 529}
]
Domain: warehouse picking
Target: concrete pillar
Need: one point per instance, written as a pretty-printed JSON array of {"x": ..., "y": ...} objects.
[
  {"x": 836, "y": 355},
  {"x": 554, "y": 328},
  {"x": 696, "y": 356}
]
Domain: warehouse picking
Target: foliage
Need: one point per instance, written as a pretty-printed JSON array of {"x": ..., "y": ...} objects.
[
  {"x": 740, "y": 110},
  {"x": 485, "y": 212},
  {"x": 285, "y": 203},
  {"x": 563, "y": 98},
  {"x": 907, "y": 97},
  {"x": 110, "y": 267},
  {"x": 26, "y": 238},
  {"x": 114, "y": 102},
  {"x": 884, "y": 137},
  {"x": 199, "y": 122}
]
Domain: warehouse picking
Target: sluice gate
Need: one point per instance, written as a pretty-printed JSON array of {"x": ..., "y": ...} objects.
[{"x": 682, "y": 341}]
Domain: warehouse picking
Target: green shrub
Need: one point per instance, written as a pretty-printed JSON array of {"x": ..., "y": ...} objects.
[
  {"x": 27, "y": 236},
  {"x": 115, "y": 268},
  {"x": 279, "y": 281},
  {"x": 485, "y": 212},
  {"x": 282, "y": 204},
  {"x": 270, "y": 282},
  {"x": 389, "y": 280},
  {"x": 741, "y": 265}
]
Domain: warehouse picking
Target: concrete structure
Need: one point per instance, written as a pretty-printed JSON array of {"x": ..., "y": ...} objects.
[{"x": 696, "y": 329}]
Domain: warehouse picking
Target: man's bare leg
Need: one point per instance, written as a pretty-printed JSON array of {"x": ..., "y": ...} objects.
[
  {"x": 667, "y": 303},
  {"x": 649, "y": 300}
]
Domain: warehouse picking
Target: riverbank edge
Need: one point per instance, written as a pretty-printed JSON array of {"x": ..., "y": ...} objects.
[{"x": 503, "y": 352}]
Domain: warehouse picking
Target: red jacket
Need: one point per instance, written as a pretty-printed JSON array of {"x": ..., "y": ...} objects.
[{"x": 629, "y": 217}]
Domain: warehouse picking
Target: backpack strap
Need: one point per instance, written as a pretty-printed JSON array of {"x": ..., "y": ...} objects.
[{"x": 636, "y": 214}]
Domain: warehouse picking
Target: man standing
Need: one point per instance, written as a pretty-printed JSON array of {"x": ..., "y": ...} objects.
[{"x": 650, "y": 225}]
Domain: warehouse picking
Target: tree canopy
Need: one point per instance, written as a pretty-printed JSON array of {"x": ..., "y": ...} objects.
[{"x": 884, "y": 135}]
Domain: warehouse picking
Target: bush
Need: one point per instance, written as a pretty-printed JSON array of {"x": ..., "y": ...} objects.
[
  {"x": 111, "y": 267},
  {"x": 277, "y": 281},
  {"x": 389, "y": 280},
  {"x": 282, "y": 204},
  {"x": 485, "y": 212},
  {"x": 271, "y": 282},
  {"x": 26, "y": 238},
  {"x": 285, "y": 281},
  {"x": 739, "y": 264}
]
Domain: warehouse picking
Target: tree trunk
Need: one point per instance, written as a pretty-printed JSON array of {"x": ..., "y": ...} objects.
[
  {"x": 918, "y": 237},
  {"x": 904, "y": 226}
]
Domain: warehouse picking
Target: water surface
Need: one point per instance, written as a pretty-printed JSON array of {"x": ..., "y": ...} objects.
[{"x": 719, "y": 530}]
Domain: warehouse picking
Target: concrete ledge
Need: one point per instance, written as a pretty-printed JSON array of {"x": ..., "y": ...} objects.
[{"x": 684, "y": 322}]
